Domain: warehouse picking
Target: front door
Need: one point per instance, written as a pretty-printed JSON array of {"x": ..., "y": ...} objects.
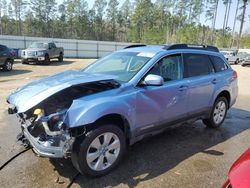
[{"x": 156, "y": 105}]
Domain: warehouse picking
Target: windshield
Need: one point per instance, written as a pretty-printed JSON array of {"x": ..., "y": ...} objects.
[
  {"x": 124, "y": 65},
  {"x": 39, "y": 45}
]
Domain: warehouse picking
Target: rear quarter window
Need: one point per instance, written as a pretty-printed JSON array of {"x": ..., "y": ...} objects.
[
  {"x": 219, "y": 64},
  {"x": 197, "y": 65}
]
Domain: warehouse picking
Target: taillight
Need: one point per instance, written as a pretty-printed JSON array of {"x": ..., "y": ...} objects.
[{"x": 235, "y": 74}]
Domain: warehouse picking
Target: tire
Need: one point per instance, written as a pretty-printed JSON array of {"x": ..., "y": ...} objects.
[
  {"x": 8, "y": 65},
  {"x": 94, "y": 156},
  {"x": 60, "y": 58},
  {"x": 25, "y": 62},
  {"x": 218, "y": 113},
  {"x": 237, "y": 62},
  {"x": 46, "y": 59}
]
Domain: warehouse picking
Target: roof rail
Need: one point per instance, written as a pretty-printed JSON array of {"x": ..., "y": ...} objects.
[
  {"x": 191, "y": 46},
  {"x": 135, "y": 46}
]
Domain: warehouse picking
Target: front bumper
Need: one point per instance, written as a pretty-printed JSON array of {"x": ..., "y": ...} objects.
[
  {"x": 33, "y": 58},
  {"x": 43, "y": 148},
  {"x": 46, "y": 148}
]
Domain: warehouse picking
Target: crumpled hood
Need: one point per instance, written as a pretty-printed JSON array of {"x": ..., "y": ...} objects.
[{"x": 35, "y": 92}]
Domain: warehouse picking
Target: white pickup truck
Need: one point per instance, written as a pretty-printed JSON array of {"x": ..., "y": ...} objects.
[
  {"x": 231, "y": 57},
  {"x": 42, "y": 52}
]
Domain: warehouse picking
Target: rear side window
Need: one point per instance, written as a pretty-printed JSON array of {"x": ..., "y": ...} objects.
[
  {"x": 219, "y": 64},
  {"x": 197, "y": 65}
]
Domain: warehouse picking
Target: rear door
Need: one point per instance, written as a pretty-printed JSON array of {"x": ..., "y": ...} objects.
[
  {"x": 225, "y": 77},
  {"x": 201, "y": 74}
]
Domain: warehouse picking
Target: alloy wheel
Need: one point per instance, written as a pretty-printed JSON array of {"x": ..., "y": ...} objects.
[
  {"x": 219, "y": 112},
  {"x": 103, "y": 151}
]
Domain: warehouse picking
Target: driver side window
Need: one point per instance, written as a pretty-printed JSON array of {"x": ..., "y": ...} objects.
[{"x": 169, "y": 68}]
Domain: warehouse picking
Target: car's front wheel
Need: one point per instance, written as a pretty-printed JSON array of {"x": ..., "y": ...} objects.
[
  {"x": 25, "y": 61},
  {"x": 100, "y": 151},
  {"x": 218, "y": 113},
  {"x": 8, "y": 65}
]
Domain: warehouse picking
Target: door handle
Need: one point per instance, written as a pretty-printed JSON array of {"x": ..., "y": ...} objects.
[
  {"x": 214, "y": 81},
  {"x": 182, "y": 88}
]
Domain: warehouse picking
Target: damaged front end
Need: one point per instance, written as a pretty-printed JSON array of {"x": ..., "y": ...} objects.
[
  {"x": 46, "y": 134},
  {"x": 44, "y": 126}
]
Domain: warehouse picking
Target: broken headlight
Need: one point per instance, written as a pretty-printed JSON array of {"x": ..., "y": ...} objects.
[{"x": 55, "y": 120}]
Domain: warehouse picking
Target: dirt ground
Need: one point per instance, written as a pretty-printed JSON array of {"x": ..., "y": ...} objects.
[{"x": 187, "y": 156}]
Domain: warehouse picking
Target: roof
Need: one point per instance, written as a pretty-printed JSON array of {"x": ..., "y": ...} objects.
[
  {"x": 145, "y": 48},
  {"x": 159, "y": 48}
]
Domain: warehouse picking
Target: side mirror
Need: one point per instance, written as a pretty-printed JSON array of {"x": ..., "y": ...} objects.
[{"x": 153, "y": 80}]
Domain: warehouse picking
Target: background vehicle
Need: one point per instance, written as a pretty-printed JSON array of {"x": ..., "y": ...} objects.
[
  {"x": 231, "y": 57},
  {"x": 93, "y": 114},
  {"x": 6, "y": 58},
  {"x": 238, "y": 175},
  {"x": 42, "y": 52},
  {"x": 245, "y": 59}
]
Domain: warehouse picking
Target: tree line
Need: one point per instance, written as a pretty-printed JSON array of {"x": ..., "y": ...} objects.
[{"x": 140, "y": 21}]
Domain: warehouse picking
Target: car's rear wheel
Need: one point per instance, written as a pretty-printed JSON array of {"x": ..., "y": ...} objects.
[
  {"x": 8, "y": 65},
  {"x": 46, "y": 59},
  {"x": 218, "y": 113},
  {"x": 100, "y": 151},
  {"x": 60, "y": 58}
]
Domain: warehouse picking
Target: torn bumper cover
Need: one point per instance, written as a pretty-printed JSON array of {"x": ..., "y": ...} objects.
[
  {"x": 45, "y": 149},
  {"x": 56, "y": 143}
]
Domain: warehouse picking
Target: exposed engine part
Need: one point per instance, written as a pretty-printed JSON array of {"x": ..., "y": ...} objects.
[
  {"x": 44, "y": 120},
  {"x": 57, "y": 146},
  {"x": 37, "y": 133}
]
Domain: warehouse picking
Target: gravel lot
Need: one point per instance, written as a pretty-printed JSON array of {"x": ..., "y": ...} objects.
[{"x": 187, "y": 156}]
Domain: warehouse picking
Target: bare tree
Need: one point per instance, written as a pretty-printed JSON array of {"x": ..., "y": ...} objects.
[
  {"x": 242, "y": 20},
  {"x": 18, "y": 8},
  {"x": 235, "y": 18},
  {"x": 211, "y": 14}
]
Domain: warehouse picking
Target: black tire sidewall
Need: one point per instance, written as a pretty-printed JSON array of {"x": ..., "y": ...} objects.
[
  {"x": 25, "y": 62},
  {"x": 84, "y": 145},
  {"x": 46, "y": 59},
  {"x": 60, "y": 59}
]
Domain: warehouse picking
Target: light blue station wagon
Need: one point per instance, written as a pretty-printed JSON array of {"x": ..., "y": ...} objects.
[{"x": 91, "y": 115}]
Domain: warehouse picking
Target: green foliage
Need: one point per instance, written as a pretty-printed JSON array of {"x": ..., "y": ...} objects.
[{"x": 245, "y": 41}]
